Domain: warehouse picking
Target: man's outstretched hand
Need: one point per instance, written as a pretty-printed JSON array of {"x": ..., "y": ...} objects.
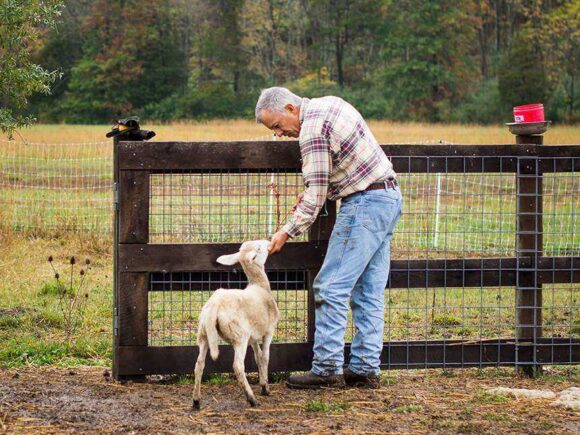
[{"x": 277, "y": 242}]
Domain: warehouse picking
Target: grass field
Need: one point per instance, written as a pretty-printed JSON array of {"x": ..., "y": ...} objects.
[
  {"x": 384, "y": 131},
  {"x": 37, "y": 187}
]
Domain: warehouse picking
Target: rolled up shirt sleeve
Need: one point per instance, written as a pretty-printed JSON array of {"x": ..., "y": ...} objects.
[{"x": 316, "y": 167}]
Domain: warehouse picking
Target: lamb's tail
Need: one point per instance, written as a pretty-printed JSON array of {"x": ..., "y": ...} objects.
[{"x": 208, "y": 322}]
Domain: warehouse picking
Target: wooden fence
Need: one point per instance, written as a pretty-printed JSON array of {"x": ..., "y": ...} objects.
[{"x": 138, "y": 261}]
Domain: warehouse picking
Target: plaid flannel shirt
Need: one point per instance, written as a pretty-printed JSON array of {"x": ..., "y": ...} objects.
[{"x": 340, "y": 156}]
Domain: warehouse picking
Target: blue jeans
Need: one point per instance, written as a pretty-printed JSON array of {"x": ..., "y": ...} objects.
[{"x": 357, "y": 266}]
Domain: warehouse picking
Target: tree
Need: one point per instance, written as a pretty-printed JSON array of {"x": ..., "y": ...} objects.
[
  {"x": 21, "y": 24},
  {"x": 427, "y": 55},
  {"x": 522, "y": 73},
  {"x": 343, "y": 31},
  {"x": 560, "y": 41},
  {"x": 131, "y": 58},
  {"x": 60, "y": 49}
]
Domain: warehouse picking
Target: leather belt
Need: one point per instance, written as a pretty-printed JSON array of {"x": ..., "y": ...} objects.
[
  {"x": 391, "y": 183},
  {"x": 387, "y": 184}
]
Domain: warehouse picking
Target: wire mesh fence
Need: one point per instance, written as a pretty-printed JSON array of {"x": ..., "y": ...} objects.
[
  {"x": 68, "y": 187},
  {"x": 446, "y": 217},
  {"x": 55, "y": 187},
  {"x": 175, "y": 301}
]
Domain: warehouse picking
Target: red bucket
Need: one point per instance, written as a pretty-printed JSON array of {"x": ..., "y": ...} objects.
[{"x": 529, "y": 113}]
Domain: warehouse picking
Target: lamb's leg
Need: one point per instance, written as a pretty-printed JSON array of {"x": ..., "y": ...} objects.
[
  {"x": 239, "y": 369},
  {"x": 264, "y": 365},
  {"x": 263, "y": 373},
  {"x": 199, "y": 366}
]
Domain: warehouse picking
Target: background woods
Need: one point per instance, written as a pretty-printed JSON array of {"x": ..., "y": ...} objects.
[{"x": 444, "y": 61}]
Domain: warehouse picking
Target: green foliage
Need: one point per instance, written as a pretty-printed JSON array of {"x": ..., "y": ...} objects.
[
  {"x": 408, "y": 409},
  {"x": 328, "y": 407},
  {"x": 521, "y": 75},
  {"x": 446, "y": 320},
  {"x": 483, "y": 106},
  {"x": 422, "y": 71},
  {"x": 10, "y": 322},
  {"x": 52, "y": 289},
  {"x": 47, "y": 319},
  {"x": 25, "y": 351},
  {"x": 560, "y": 42},
  {"x": 131, "y": 58},
  {"x": 20, "y": 26},
  {"x": 444, "y": 61},
  {"x": 315, "y": 84},
  {"x": 219, "y": 379},
  {"x": 485, "y": 398}
]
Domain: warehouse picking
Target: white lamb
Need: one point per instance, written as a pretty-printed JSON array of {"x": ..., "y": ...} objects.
[{"x": 240, "y": 317}]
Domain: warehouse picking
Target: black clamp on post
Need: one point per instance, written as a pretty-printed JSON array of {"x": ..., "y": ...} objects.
[{"x": 128, "y": 129}]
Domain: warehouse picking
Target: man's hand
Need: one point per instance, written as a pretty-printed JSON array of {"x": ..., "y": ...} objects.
[
  {"x": 298, "y": 201},
  {"x": 277, "y": 242}
]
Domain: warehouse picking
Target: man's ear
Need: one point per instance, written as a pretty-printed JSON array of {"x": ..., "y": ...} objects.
[{"x": 290, "y": 108}]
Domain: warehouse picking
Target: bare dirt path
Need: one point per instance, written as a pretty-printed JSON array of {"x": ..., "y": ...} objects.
[{"x": 82, "y": 400}]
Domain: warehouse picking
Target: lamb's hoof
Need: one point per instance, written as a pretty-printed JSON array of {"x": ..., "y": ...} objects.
[
  {"x": 253, "y": 402},
  {"x": 265, "y": 390},
  {"x": 196, "y": 405}
]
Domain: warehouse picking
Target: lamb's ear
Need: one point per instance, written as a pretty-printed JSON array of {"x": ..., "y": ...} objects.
[{"x": 229, "y": 260}]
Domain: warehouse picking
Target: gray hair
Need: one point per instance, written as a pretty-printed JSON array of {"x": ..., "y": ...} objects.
[{"x": 274, "y": 100}]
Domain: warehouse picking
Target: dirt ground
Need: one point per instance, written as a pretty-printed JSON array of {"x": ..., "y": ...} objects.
[{"x": 86, "y": 400}]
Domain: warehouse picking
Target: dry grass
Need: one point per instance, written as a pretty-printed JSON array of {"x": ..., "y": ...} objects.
[{"x": 385, "y": 132}]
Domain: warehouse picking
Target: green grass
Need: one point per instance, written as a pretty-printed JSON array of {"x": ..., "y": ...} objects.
[
  {"x": 496, "y": 417},
  {"x": 27, "y": 350},
  {"x": 326, "y": 407},
  {"x": 408, "y": 409},
  {"x": 486, "y": 398}
]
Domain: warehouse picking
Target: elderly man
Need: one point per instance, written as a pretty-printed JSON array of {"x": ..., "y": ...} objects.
[{"x": 341, "y": 159}]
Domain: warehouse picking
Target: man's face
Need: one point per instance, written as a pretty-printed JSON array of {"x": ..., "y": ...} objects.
[{"x": 285, "y": 123}]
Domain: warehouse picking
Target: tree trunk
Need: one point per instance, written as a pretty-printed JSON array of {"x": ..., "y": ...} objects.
[
  {"x": 571, "y": 105},
  {"x": 339, "y": 58},
  {"x": 483, "y": 51}
]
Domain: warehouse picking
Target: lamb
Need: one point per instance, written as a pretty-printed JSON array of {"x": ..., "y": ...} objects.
[{"x": 240, "y": 317}]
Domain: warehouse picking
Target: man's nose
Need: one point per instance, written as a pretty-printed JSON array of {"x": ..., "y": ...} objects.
[{"x": 279, "y": 133}]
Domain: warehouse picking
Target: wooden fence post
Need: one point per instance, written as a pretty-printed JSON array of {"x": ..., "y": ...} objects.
[
  {"x": 131, "y": 288},
  {"x": 115, "y": 257},
  {"x": 529, "y": 251}
]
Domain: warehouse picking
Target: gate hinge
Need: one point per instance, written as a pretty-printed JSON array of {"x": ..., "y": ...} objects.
[
  {"x": 115, "y": 322},
  {"x": 116, "y": 194}
]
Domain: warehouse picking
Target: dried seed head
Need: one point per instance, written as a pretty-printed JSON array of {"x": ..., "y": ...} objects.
[
  {"x": 57, "y": 276},
  {"x": 50, "y": 259},
  {"x": 82, "y": 272},
  {"x": 86, "y": 295},
  {"x": 72, "y": 260},
  {"x": 87, "y": 261}
]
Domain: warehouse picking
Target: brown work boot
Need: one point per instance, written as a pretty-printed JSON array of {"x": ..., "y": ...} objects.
[
  {"x": 353, "y": 379},
  {"x": 311, "y": 381}
]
